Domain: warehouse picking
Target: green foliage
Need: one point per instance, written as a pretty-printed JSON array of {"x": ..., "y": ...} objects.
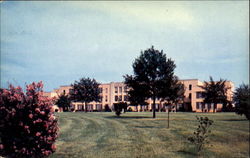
[
  {"x": 201, "y": 134},
  {"x": 242, "y": 100},
  {"x": 175, "y": 93},
  {"x": 153, "y": 73},
  {"x": 215, "y": 92},
  {"x": 137, "y": 93},
  {"x": 118, "y": 107},
  {"x": 63, "y": 101},
  {"x": 86, "y": 90}
]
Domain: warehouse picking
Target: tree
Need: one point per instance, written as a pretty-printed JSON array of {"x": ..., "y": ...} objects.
[
  {"x": 242, "y": 100},
  {"x": 153, "y": 71},
  {"x": 137, "y": 92},
  {"x": 63, "y": 102},
  {"x": 215, "y": 92},
  {"x": 28, "y": 127},
  {"x": 173, "y": 95},
  {"x": 118, "y": 107},
  {"x": 86, "y": 90}
]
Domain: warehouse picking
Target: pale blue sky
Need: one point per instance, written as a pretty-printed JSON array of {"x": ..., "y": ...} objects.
[{"x": 60, "y": 42}]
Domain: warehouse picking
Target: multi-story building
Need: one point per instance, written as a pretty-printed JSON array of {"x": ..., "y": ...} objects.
[{"x": 115, "y": 92}]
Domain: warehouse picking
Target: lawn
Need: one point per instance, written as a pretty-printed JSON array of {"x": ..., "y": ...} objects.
[{"x": 137, "y": 135}]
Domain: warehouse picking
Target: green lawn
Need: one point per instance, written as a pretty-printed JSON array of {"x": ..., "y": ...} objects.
[{"x": 136, "y": 134}]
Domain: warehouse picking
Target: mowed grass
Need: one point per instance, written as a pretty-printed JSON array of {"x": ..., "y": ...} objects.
[{"x": 138, "y": 135}]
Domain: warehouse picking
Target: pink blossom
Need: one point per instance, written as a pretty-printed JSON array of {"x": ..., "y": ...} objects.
[
  {"x": 38, "y": 134},
  {"x": 30, "y": 116}
]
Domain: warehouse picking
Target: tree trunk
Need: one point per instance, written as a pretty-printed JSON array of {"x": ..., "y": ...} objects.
[
  {"x": 153, "y": 106},
  {"x": 215, "y": 106},
  {"x": 168, "y": 118},
  {"x": 175, "y": 107},
  {"x": 86, "y": 107}
]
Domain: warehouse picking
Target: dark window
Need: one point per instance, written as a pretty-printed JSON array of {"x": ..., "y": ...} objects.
[
  {"x": 120, "y": 89},
  {"x": 120, "y": 98},
  {"x": 190, "y": 87},
  {"x": 125, "y": 89},
  {"x": 116, "y": 98},
  {"x": 199, "y": 94},
  {"x": 209, "y": 106},
  {"x": 125, "y": 98},
  {"x": 106, "y": 90},
  {"x": 197, "y": 105},
  {"x": 64, "y": 91},
  {"x": 106, "y": 98},
  {"x": 116, "y": 89},
  {"x": 100, "y": 89},
  {"x": 190, "y": 96}
]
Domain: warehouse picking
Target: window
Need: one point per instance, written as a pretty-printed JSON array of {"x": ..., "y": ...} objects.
[
  {"x": 208, "y": 106},
  {"x": 190, "y": 87},
  {"x": 106, "y": 98},
  {"x": 116, "y": 89},
  {"x": 125, "y": 89},
  {"x": 120, "y": 98},
  {"x": 190, "y": 96},
  {"x": 125, "y": 98},
  {"x": 106, "y": 90},
  {"x": 64, "y": 92},
  {"x": 120, "y": 89},
  {"x": 198, "y": 105},
  {"x": 100, "y": 98},
  {"x": 199, "y": 94},
  {"x": 116, "y": 98},
  {"x": 100, "y": 89}
]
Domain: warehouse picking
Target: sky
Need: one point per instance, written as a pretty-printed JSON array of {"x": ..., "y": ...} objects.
[{"x": 61, "y": 42}]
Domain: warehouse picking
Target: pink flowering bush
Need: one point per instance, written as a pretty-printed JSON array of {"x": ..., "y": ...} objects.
[{"x": 28, "y": 127}]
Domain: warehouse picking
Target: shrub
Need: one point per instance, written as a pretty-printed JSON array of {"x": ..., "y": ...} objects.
[
  {"x": 200, "y": 135},
  {"x": 28, "y": 128},
  {"x": 129, "y": 109},
  {"x": 118, "y": 107},
  {"x": 107, "y": 108}
]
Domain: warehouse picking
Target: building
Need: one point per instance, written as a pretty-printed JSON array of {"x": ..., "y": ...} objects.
[{"x": 115, "y": 92}]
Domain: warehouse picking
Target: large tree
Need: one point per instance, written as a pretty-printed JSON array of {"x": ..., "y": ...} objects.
[
  {"x": 63, "y": 102},
  {"x": 137, "y": 93},
  {"x": 85, "y": 90},
  {"x": 215, "y": 92},
  {"x": 153, "y": 71},
  {"x": 242, "y": 100}
]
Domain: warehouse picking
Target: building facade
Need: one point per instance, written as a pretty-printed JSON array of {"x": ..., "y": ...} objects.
[{"x": 115, "y": 92}]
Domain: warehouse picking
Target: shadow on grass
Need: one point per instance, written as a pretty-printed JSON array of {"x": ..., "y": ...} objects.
[
  {"x": 127, "y": 117},
  {"x": 187, "y": 153},
  {"x": 233, "y": 120},
  {"x": 148, "y": 127}
]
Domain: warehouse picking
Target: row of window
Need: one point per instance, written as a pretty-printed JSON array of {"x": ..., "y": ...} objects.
[
  {"x": 119, "y": 98},
  {"x": 200, "y": 105},
  {"x": 120, "y": 89}
]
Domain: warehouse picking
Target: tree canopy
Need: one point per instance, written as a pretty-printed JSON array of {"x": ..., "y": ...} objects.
[
  {"x": 85, "y": 90},
  {"x": 215, "y": 92},
  {"x": 63, "y": 101},
  {"x": 153, "y": 72},
  {"x": 242, "y": 100}
]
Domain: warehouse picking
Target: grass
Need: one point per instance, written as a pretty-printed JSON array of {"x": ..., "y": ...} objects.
[{"x": 137, "y": 135}]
